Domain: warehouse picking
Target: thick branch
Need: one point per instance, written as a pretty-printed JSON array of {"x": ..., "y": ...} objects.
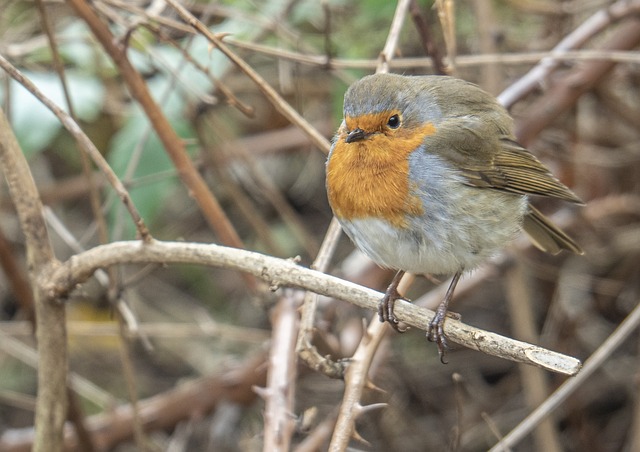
[
  {"x": 51, "y": 406},
  {"x": 282, "y": 272}
]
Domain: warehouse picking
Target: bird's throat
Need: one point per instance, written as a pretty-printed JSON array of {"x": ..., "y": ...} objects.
[{"x": 370, "y": 179}]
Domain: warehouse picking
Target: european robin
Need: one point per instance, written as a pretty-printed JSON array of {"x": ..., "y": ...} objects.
[{"x": 425, "y": 176}]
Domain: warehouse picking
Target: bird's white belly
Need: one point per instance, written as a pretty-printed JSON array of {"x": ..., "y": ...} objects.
[{"x": 461, "y": 226}]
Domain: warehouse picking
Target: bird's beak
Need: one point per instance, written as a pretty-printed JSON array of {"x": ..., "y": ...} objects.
[{"x": 355, "y": 135}]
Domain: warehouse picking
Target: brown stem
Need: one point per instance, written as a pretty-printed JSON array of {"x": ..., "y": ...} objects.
[
  {"x": 173, "y": 144},
  {"x": 426, "y": 38}
]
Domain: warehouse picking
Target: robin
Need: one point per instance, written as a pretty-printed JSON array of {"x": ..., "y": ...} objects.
[{"x": 425, "y": 176}]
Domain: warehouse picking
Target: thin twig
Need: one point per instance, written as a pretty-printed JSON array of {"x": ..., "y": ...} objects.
[
  {"x": 426, "y": 39},
  {"x": 271, "y": 94},
  {"x": 587, "y": 29},
  {"x": 281, "y": 376},
  {"x": 308, "y": 353},
  {"x": 83, "y": 142},
  {"x": 393, "y": 36},
  {"x": 595, "y": 361},
  {"x": 466, "y": 61},
  {"x": 447, "y": 18}
]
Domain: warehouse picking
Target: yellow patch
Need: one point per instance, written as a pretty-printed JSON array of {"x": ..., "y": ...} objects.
[{"x": 370, "y": 178}]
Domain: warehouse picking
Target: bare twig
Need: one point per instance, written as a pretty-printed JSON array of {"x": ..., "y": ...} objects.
[
  {"x": 578, "y": 81},
  {"x": 391, "y": 44},
  {"x": 595, "y": 24},
  {"x": 595, "y": 361},
  {"x": 357, "y": 378},
  {"x": 466, "y": 61},
  {"x": 84, "y": 142},
  {"x": 271, "y": 94},
  {"x": 447, "y": 18},
  {"x": 426, "y": 39},
  {"x": 308, "y": 353},
  {"x": 281, "y": 376}
]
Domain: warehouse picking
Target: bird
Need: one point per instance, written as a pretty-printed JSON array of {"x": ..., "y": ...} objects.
[{"x": 425, "y": 176}]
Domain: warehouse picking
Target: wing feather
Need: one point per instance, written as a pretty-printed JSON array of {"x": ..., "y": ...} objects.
[{"x": 496, "y": 163}]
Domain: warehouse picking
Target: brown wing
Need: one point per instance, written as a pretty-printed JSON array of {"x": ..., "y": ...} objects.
[
  {"x": 481, "y": 146},
  {"x": 516, "y": 170}
]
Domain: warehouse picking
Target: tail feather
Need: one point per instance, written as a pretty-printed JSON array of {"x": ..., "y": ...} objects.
[{"x": 547, "y": 236}]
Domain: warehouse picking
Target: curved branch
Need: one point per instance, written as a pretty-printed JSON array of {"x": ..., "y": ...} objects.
[{"x": 282, "y": 272}]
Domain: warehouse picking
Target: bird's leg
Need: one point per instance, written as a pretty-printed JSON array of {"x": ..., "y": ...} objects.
[
  {"x": 435, "y": 332},
  {"x": 386, "y": 304}
]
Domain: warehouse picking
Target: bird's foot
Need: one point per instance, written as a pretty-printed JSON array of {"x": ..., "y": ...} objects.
[
  {"x": 386, "y": 304},
  {"x": 435, "y": 331}
]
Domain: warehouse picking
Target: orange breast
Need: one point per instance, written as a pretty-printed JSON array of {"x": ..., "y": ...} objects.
[{"x": 370, "y": 178}]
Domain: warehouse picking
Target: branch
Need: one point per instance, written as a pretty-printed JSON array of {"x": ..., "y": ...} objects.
[
  {"x": 282, "y": 272},
  {"x": 400, "y": 64},
  {"x": 51, "y": 405}
]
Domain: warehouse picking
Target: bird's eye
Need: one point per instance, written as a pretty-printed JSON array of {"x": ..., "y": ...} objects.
[{"x": 394, "y": 122}]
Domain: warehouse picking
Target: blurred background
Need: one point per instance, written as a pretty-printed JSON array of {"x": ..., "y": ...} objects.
[{"x": 203, "y": 334}]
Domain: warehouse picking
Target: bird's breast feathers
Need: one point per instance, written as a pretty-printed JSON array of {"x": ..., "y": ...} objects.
[{"x": 370, "y": 178}]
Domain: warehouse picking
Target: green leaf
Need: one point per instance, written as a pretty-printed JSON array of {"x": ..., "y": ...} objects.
[
  {"x": 34, "y": 124},
  {"x": 149, "y": 194}
]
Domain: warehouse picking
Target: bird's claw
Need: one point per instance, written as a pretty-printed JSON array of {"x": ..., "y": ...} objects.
[
  {"x": 385, "y": 311},
  {"x": 435, "y": 333}
]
